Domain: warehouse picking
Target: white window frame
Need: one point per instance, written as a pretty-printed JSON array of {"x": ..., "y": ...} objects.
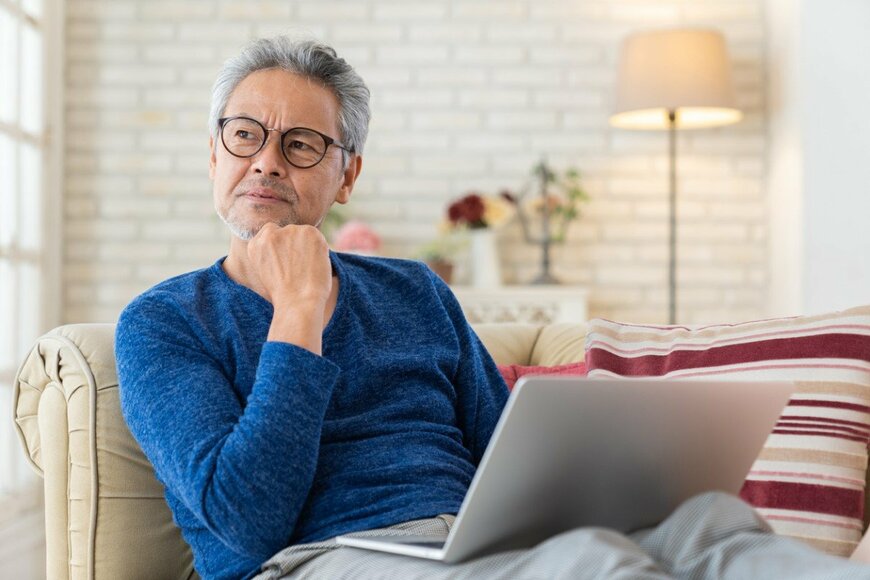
[{"x": 49, "y": 258}]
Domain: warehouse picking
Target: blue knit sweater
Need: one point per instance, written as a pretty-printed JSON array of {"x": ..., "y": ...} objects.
[{"x": 261, "y": 445}]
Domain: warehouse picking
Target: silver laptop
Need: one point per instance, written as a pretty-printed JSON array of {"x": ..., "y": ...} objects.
[{"x": 615, "y": 453}]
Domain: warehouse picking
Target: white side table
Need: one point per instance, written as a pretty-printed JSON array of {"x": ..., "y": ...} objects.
[{"x": 529, "y": 304}]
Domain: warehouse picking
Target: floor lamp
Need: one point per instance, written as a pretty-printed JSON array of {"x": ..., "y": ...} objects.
[{"x": 669, "y": 80}]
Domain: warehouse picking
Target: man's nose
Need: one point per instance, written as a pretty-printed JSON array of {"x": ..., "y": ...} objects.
[{"x": 270, "y": 160}]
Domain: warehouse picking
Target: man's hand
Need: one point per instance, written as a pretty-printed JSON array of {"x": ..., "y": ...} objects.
[{"x": 293, "y": 265}]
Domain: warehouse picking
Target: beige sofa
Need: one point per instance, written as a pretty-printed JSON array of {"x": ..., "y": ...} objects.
[{"x": 105, "y": 513}]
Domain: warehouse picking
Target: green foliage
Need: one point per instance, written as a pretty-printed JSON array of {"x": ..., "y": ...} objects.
[
  {"x": 544, "y": 173},
  {"x": 574, "y": 192},
  {"x": 443, "y": 248},
  {"x": 333, "y": 220}
]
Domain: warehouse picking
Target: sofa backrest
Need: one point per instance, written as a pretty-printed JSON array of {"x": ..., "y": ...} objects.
[{"x": 537, "y": 345}]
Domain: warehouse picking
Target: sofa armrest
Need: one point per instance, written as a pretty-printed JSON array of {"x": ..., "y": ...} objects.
[{"x": 106, "y": 516}]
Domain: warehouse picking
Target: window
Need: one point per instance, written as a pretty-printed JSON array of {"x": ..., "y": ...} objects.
[{"x": 30, "y": 148}]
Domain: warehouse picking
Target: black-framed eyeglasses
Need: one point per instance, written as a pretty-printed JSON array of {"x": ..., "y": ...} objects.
[{"x": 302, "y": 147}]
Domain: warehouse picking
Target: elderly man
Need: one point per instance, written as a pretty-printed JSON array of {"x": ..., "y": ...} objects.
[{"x": 287, "y": 394}]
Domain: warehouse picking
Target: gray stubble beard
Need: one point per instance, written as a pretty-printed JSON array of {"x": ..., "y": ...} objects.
[{"x": 246, "y": 234}]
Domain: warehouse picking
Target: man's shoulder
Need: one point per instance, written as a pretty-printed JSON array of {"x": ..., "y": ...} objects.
[
  {"x": 395, "y": 282},
  {"x": 381, "y": 267}
]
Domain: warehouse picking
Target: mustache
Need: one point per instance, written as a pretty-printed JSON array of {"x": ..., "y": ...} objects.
[{"x": 282, "y": 190}]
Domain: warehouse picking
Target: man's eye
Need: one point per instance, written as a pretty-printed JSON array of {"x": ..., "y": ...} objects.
[
  {"x": 244, "y": 135},
  {"x": 302, "y": 146}
]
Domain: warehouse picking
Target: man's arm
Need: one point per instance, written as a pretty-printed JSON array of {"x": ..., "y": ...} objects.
[
  {"x": 244, "y": 468},
  {"x": 292, "y": 263},
  {"x": 480, "y": 387}
]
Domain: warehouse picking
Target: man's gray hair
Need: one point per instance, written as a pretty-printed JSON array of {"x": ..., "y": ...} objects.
[{"x": 307, "y": 58}]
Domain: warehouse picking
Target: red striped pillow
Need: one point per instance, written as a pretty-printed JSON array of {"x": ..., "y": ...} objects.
[
  {"x": 512, "y": 373},
  {"x": 809, "y": 480}
]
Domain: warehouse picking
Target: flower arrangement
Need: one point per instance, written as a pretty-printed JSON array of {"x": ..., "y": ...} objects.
[
  {"x": 356, "y": 236},
  {"x": 546, "y": 216},
  {"x": 478, "y": 211},
  {"x": 559, "y": 197}
]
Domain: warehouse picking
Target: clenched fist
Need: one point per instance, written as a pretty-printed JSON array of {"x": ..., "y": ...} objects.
[{"x": 292, "y": 263}]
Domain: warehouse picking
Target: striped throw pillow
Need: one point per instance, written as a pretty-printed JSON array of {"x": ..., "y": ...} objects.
[{"x": 809, "y": 480}]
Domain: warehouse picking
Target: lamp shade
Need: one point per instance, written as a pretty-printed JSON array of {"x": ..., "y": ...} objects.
[{"x": 682, "y": 71}]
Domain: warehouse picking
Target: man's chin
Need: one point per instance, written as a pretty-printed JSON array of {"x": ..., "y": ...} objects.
[
  {"x": 243, "y": 231},
  {"x": 246, "y": 231}
]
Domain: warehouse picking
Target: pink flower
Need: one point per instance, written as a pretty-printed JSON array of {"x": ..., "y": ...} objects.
[{"x": 356, "y": 236}]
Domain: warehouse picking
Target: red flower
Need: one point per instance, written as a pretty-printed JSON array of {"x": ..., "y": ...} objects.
[
  {"x": 468, "y": 210},
  {"x": 454, "y": 212}
]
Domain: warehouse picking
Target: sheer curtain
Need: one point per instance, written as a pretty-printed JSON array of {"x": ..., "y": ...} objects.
[{"x": 30, "y": 147}]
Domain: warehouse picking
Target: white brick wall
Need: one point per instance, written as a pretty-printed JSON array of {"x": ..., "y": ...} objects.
[{"x": 466, "y": 94}]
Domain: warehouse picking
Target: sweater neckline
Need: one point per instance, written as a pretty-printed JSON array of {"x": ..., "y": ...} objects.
[{"x": 337, "y": 269}]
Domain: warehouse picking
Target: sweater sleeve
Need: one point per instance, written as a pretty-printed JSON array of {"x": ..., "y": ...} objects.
[
  {"x": 243, "y": 468},
  {"x": 480, "y": 388}
]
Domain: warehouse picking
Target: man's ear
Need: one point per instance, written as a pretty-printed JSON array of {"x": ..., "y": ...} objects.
[
  {"x": 349, "y": 178},
  {"x": 211, "y": 160}
]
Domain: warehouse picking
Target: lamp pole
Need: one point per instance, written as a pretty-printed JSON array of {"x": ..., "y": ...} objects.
[
  {"x": 665, "y": 71},
  {"x": 672, "y": 257}
]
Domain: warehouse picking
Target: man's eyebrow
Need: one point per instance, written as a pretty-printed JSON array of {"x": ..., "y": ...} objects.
[{"x": 250, "y": 116}]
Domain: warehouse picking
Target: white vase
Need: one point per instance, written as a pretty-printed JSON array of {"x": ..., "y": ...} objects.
[{"x": 484, "y": 264}]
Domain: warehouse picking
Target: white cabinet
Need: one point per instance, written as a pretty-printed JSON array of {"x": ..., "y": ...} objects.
[{"x": 529, "y": 304}]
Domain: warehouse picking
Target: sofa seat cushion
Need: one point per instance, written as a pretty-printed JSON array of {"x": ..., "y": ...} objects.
[{"x": 809, "y": 480}]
